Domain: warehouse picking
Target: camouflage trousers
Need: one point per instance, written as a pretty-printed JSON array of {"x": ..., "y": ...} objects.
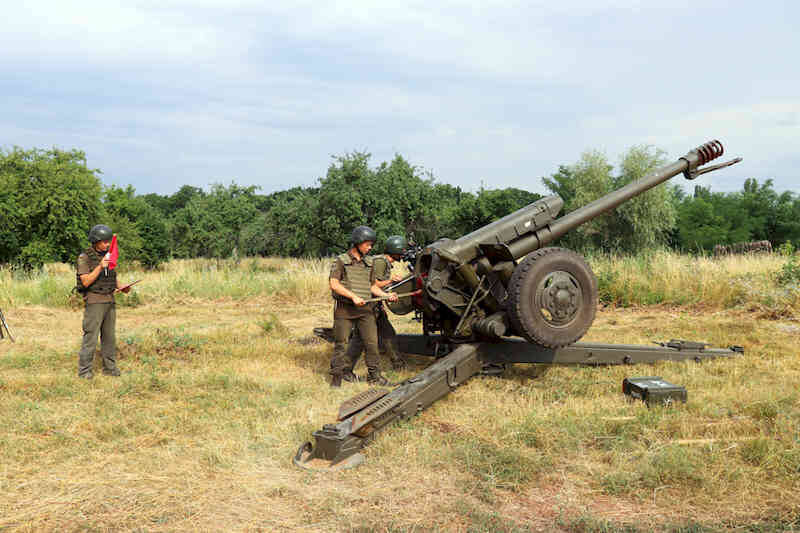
[
  {"x": 98, "y": 319},
  {"x": 386, "y": 342},
  {"x": 368, "y": 331}
]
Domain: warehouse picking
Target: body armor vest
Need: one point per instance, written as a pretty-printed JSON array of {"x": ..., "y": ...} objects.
[
  {"x": 104, "y": 284},
  {"x": 381, "y": 265},
  {"x": 357, "y": 278}
]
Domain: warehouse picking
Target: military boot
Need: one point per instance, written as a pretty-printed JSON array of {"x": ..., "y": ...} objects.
[
  {"x": 350, "y": 377},
  {"x": 336, "y": 380},
  {"x": 376, "y": 378}
]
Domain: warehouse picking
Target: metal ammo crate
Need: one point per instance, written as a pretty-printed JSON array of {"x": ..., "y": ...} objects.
[{"x": 653, "y": 390}]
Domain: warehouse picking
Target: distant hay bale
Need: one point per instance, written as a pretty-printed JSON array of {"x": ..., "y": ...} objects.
[{"x": 753, "y": 247}]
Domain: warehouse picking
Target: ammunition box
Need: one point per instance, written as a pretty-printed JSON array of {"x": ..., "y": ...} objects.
[{"x": 653, "y": 391}]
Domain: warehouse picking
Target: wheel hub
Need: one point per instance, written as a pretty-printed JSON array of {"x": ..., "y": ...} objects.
[{"x": 559, "y": 297}]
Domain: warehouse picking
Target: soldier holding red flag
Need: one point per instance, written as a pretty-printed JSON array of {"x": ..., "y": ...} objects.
[{"x": 97, "y": 282}]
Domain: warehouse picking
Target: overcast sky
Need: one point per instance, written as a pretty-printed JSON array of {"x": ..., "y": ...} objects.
[{"x": 166, "y": 93}]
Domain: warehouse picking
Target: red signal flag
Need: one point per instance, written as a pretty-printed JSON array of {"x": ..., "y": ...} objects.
[{"x": 113, "y": 253}]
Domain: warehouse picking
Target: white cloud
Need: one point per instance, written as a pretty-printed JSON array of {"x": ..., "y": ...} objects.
[
  {"x": 499, "y": 38},
  {"x": 105, "y": 33},
  {"x": 493, "y": 90}
]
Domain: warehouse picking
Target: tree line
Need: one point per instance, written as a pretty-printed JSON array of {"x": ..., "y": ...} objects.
[{"x": 49, "y": 199}]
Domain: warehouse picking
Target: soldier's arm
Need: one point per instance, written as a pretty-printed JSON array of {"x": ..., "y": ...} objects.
[
  {"x": 90, "y": 277},
  {"x": 393, "y": 278},
  {"x": 126, "y": 290},
  {"x": 341, "y": 290},
  {"x": 378, "y": 292},
  {"x": 337, "y": 270}
]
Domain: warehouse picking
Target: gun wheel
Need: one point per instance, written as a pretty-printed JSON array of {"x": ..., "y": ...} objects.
[{"x": 552, "y": 297}]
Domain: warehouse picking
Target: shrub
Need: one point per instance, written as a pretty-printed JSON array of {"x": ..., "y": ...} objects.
[
  {"x": 34, "y": 255},
  {"x": 789, "y": 274}
]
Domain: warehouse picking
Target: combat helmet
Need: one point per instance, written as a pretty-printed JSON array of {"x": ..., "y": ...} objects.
[
  {"x": 100, "y": 232},
  {"x": 362, "y": 234},
  {"x": 396, "y": 245}
]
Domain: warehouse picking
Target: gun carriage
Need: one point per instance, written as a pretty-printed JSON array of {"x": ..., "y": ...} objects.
[{"x": 479, "y": 294}]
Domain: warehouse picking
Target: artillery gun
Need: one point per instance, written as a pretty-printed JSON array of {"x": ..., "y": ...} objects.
[{"x": 476, "y": 293}]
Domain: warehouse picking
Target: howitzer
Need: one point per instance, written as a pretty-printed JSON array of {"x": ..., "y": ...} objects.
[{"x": 501, "y": 281}]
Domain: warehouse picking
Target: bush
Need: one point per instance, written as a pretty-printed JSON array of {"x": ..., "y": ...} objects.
[
  {"x": 789, "y": 274},
  {"x": 786, "y": 249},
  {"x": 34, "y": 255}
]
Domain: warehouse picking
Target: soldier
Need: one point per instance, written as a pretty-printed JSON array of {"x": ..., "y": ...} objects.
[
  {"x": 352, "y": 282},
  {"x": 382, "y": 272},
  {"x": 98, "y": 284}
]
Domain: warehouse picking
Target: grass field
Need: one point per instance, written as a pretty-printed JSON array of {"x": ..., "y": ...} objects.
[{"x": 222, "y": 381}]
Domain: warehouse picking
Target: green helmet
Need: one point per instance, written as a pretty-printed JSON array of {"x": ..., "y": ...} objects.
[
  {"x": 100, "y": 232},
  {"x": 396, "y": 245},
  {"x": 363, "y": 234}
]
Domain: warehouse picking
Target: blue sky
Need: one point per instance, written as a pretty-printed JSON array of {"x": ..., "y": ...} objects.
[{"x": 166, "y": 93}]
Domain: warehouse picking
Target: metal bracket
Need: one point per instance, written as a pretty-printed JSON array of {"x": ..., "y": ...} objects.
[
  {"x": 440, "y": 349},
  {"x": 692, "y": 174},
  {"x": 680, "y": 345}
]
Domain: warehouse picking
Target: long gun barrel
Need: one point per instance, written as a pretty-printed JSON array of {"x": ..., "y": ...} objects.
[
  {"x": 686, "y": 165},
  {"x": 472, "y": 287},
  {"x": 535, "y": 225}
]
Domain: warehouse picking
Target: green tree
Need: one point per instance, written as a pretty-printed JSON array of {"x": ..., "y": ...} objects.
[
  {"x": 642, "y": 222},
  {"x": 182, "y": 197},
  {"x": 562, "y": 183},
  {"x": 699, "y": 227},
  {"x": 158, "y": 202},
  {"x": 786, "y": 221},
  {"x": 394, "y": 198},
  {"x": 646, "y": 220},
  {"x": 582, "y": 183},
  {"x": 286, "y": 228},
  {"x": 141, "y": 228},
  {"x": 49, "y": 199},
  {"x": 210, "y": 225},
  {"x": 759, "y": 205}
]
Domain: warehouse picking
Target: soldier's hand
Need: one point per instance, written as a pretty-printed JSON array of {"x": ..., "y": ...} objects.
[
  {"x": 104, "y": 262},
  {"x": 358, "y": 300},
  {"x": 397, "y": 277},
  {"x": 392, "y": 296}
]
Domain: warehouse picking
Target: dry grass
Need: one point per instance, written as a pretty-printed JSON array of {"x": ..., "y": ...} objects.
[
  {"x": 667, "y": 278},
  {"x": 179, "y": 280},
  {"x": 219, "y": 391}
]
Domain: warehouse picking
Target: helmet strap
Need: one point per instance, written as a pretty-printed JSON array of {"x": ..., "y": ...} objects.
[{"x": 358, "y": 247}]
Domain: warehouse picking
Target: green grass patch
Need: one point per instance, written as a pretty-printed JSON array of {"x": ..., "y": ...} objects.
[
  {"x": 271, "y": 325},
  {"x": 498, "y": 466}
]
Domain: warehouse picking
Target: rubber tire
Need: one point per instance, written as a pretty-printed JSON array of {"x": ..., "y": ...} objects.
[{"x": 527, "y": 320}]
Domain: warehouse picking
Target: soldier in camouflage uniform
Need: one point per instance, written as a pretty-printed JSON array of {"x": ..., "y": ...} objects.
[
  {"x": 97, "y": 284},
  {"x": 352, "y": 282},
  {"x": 382, "y": 272}
]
